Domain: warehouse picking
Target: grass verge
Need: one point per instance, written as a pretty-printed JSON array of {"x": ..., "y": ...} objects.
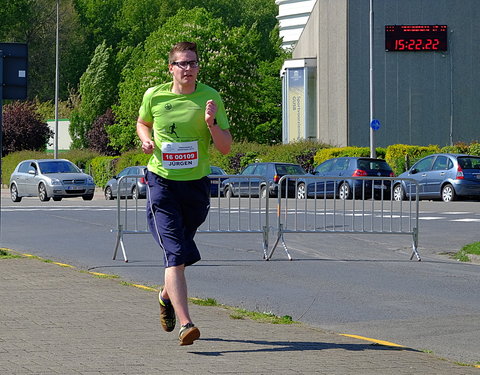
[
  {"x": 465, "y": 251},
  {"x": 5, "y": 254},
  {"x": 237, "y": 313}
]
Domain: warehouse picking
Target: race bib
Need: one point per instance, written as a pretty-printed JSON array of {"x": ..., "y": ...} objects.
[{"x": 179, "y": 155}]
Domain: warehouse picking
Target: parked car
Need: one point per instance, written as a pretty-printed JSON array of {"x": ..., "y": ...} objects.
[
  {"x": 50, "y": 178},
  {"x": 130, "y": 187},
  {"x": 441, "y": 176},
  {"x": 344, "y": 186},
  {"x": 272, "y": 171},
  {"x": 215, "y": 180}
]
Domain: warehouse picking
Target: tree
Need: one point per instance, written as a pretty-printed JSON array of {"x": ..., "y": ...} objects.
[
  {"x": 98, "y": 20},
  {"x": 97, "y": 136},
  {"x": 228, "y": 63},
  {"x": 34, "y": 22},
  {"x": 268, "y": 117},
  {"x": 23, "y": 128},
  {"x": 97, "y": 91}
]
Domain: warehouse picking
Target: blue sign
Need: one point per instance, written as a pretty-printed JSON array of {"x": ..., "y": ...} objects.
[{"x": 375, "y": 124}]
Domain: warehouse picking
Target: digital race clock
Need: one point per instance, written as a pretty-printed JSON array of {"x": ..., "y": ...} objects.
[{"x": 416, "y": 38}]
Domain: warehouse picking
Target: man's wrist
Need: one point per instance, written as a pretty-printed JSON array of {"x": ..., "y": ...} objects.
[{"x": 215, "y": 123}]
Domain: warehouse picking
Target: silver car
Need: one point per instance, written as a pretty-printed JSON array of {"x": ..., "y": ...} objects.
[
  {"x": 50, "y": 178},
  {"x": 134, "y": 187}
]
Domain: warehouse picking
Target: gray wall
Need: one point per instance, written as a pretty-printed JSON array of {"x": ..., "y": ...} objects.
[
  {"x": 325, "y": 37},
  {"x": 421, "y": 98}
]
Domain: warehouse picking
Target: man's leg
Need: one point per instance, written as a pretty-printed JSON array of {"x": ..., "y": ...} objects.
[{"x": 176, "y": 291}]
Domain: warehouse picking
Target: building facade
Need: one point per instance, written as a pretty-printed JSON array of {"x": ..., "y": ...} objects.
[{"x": 424, "y": 82}]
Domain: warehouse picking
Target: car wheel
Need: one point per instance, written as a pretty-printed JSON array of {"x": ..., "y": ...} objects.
[
  {"x": 57, "y": 199},
  {"x": 228, "y": 192},
  {"x": 108, "y": 193},
  {"x": 134, "y": 193},
  {"x": 42, "y": 193},
  {"x": 448, "y": 193},
  {"x": 301, "y": 193},
  {"x": 88, "y": 197},
  {"x": 14, "y": 193},
  {"x": 398, "y": 193},
  {"x": 344, "y": 191},
  {"x": 263, "y": 192}
]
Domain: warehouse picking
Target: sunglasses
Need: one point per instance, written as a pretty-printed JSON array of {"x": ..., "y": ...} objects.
[{"x": 184, "y": 64}]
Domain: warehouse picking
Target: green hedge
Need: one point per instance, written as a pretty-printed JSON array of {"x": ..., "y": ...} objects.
[{"x": 402, "y": 157}]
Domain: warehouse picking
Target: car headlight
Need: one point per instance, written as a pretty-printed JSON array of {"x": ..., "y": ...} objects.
[
  {"x": 55, "y": 181},
  {"x": 90, "y": 180}
]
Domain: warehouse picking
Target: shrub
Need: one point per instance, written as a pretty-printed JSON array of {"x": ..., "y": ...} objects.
[
  {"x": 103, "y": 169},
  {"x": 402, "y": 157},
  {"x": 131, "y": 158},
  {"x": 474, "y": 149},
  {"x": 457, "y": 148},
  {"x": 23, "y": 128}
]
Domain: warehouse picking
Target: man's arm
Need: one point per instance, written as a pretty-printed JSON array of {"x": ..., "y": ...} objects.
[
  {"x": 144, "y": 131},
  {"x": 222, "y": 139}
]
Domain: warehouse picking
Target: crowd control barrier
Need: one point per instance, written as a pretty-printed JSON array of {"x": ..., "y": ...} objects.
[
  {"x": 305, "y": 204},
  {"x": 243, "y": 209},
  {"x": 354, "y": 205}
]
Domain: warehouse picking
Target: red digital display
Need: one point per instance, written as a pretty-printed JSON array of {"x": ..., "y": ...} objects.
[{"x": 416, "y": 38}]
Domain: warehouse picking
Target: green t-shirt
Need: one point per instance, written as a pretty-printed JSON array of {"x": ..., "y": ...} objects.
[{"x": 180, "y": 133}]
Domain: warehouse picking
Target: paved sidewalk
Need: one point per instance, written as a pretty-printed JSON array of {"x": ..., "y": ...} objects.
[{"x": 58, "y": 320}]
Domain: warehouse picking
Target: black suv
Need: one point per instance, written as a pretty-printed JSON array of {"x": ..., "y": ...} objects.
[{"x": 252, "y": 186}]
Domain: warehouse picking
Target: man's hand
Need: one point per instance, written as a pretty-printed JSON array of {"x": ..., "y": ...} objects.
[
  {"x": 210, "y": 112},
  {"x": 148, "y": 146}
]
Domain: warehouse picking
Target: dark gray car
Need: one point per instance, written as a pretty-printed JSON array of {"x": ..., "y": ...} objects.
[
  {"x": 271, "y": 171},
  {"x": 130, "y": 187},
  {"x": 50, "y": 178}
]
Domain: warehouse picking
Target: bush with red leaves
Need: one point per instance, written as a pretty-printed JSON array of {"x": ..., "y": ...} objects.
[
  {"x": 97, "y": 136},
  {"x": 23, "y": 128}
]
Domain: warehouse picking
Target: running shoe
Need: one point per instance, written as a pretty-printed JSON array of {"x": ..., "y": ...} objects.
[
  {"x": 167, "y": 314},
  {"x": 188, "y": 334}
]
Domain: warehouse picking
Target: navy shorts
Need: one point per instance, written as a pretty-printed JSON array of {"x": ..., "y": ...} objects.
[{"x": 175, "y": 209}]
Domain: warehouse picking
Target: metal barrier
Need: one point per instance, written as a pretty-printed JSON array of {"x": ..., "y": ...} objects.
[
  {"x": 358, "y": 205},
  {"x": 242, "y": 206},
  {"x": 244, "y": 210}
]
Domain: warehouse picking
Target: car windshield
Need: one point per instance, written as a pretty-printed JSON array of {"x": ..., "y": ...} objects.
[
  {"x": 216, "y": 170},
  {"x": 47, "y": 167},
  {"x": 469, "y": 162}
]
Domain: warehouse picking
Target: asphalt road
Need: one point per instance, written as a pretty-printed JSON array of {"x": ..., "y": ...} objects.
[{"x": 361, "y": 284}]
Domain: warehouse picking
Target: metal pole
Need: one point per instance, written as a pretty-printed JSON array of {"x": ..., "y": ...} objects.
[
  {"x": 373, "y": 153},
  {"x": 1, "y": 131},
  {"x": 55, "y": 147}
]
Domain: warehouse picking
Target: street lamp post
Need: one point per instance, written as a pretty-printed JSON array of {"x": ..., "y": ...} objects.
[
  {"x": 373, "y": 153},
  {"x": 55, "y": 147}
]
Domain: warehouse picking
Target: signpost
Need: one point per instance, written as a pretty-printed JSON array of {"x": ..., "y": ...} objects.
[{"x": 13, "y": 80}]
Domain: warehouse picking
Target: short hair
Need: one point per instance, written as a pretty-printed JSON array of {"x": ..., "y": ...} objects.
[{"x": 180, "y": 47}]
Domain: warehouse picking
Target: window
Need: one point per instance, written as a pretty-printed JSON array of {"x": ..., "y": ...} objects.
[
  {"x": 440, "y": 164},
  {"x": 261, "y": 170},
  {"x": 249, "y": 169},
  {"x": 469, "y": 162},
  {"x": 326, "y": 166},
  {"x": 341, "y": 165},
  {"x": 24, "y": 167},
  {"x": 424, "y": 164}
]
